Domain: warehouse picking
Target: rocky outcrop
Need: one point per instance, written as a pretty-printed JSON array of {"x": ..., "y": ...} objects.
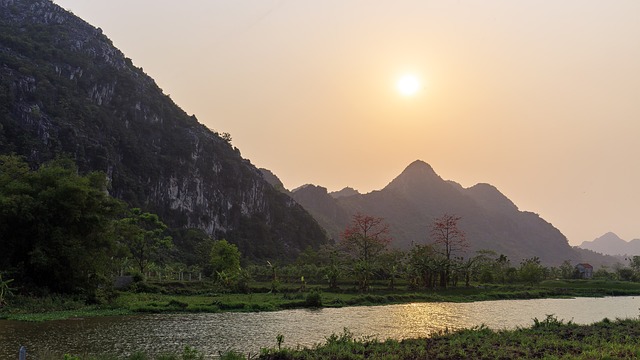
[{"x": 64, "y": 89}]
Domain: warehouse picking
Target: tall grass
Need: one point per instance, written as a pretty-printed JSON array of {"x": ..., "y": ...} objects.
[{"x": 549, "y": 338}]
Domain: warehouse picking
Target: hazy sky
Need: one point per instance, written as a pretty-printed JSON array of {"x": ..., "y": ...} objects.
[{"x": 538, "y": 98}]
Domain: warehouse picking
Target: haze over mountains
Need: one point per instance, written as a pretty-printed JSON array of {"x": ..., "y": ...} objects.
[
  {"x": 612, "y": 244},
  {"x": 418, "y": 195},
  {"x": 66, "y": 90}
]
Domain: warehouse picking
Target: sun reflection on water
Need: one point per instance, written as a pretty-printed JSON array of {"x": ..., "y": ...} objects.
[
  {"x": 419, "y": 320},
  {"x": 248, "y": 332}
]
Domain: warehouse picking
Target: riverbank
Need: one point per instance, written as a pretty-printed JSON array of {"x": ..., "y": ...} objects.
[
  {"x": 547, "y": 338},
  {"x": 196, "y": 298}
]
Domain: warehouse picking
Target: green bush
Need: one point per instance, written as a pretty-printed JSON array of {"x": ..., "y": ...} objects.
[
  {"x": 231, "y": 355},
  {"x": 313, "y": 299},
  {"x": 177, "y": 304}
]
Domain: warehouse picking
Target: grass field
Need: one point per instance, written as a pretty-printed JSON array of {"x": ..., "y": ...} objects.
[{"x": 197, "y": 297}]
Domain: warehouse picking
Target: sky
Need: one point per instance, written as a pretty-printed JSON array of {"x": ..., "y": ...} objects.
[{"x": 538, "y": 98}]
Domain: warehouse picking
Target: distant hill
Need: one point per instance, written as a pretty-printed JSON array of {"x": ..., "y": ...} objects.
[
  {"x": 418, "y": 195},
  {"x": 598, "y": 259},
  {"x": 612, "y": 244},
  {"x": 66, "y": 90},
  {"x": 325, "y": 209}
]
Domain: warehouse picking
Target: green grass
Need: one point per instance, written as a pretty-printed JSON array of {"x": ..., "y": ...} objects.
[
  {"x": 188, "y": 353},
  {"x": 549, "y": 339},
  {"x": 67, "y": 314},
  {"x": 175, "y": 297}
]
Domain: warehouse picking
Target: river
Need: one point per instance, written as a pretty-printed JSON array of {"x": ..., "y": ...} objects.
[{"x": 248, "y": 332}]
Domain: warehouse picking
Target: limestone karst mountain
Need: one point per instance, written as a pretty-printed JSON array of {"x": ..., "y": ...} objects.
[
  {"x": 66, "y": 90},
  {"x": 418, "y": 195}
]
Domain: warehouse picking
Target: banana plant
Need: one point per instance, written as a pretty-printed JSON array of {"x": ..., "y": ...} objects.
[{"x": 5, "y": 290}]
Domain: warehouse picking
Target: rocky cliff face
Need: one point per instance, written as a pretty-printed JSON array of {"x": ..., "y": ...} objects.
[{"x": 65, "y": 89}]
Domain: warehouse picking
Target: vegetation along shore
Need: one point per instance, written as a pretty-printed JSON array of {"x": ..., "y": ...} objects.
[
  {"x": 548, "y": 338},
  {"x": 104, "y": 258}
]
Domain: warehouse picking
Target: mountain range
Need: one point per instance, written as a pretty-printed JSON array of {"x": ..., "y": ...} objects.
[
  {"x": 411, "y": 202},
  {"x": 65, "y": 90},
  {"x": 612, "y": 244}
]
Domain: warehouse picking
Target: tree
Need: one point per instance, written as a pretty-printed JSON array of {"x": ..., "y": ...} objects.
[
  {"x": 144, "y": 235},
  {"x": 365, "y": 239},
  {"x": 55, "y": 225},
  {"x": 191, "y": 247},
  {"x": 225, "y": 258},
  {"x": 392, "y": 266},
  {"x": 226, "y": 137},
  {"x": 333, "y": 269},
  {"x": 634, "y": 263},
  {"x": 450, "y": 240},
  {"x": 531, "y": 271},
  {"x": 603, "y": 273},
  {"x": 5, "y": 290},
  {"x": 625, "y": 274},
  {"x": 475, "y": 264},
  {"x": 567, "y": 271},
  {"x": 424, "y": 264},
  {"x": 503, "y": 269}
]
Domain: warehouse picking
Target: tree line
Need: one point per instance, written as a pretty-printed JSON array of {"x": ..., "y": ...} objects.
[
  {"x": 61, "y": 232},
  {"x": 363, "y": 256}
]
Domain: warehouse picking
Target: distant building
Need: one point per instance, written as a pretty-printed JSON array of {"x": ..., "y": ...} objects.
[{"x": 585, "y": 271}]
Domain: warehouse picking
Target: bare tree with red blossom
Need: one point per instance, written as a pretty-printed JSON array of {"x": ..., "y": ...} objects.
[
  {"x": 366, "y": 238},
  {"x": 450, "y": 240}
]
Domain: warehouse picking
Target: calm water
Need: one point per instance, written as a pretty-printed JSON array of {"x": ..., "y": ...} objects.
[{"x": 248, "y": 332}]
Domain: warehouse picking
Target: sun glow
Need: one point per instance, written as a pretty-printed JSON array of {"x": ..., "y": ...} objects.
[{"x": 408, "y": 85}]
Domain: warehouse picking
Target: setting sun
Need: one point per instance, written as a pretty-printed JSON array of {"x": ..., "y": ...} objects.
[{"x": 408, "y": 85}]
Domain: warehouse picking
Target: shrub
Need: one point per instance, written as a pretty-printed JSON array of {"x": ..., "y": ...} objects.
[
  {"x": 137, "y": 356},
  {"x": 313, "y": 299},
  {"x": 190, "y": 353},
  {"x": 177, "y": 304},
  {"x": 231, "y": 355},
  {"x": 550, "y": 322}
]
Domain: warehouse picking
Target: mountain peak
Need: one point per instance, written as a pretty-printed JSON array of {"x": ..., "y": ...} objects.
[
  {"x": 490, "y": 197},
  {"x": 419, "y": 166},
  {"x": 419, "y": 170},
  {"x": 347, "y": 191},
  {"x": 612, "y": 244},
  {"x": 417, "y": 175},
  {"x": 610, "y": 235}
]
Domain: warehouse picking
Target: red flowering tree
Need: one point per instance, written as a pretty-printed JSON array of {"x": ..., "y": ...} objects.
[
  {"x": 366, "y": 238},
  {"x": 449, "y": 240}
]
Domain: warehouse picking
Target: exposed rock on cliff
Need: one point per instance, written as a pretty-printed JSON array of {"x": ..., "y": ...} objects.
[{"x": 65, "y": 89}]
